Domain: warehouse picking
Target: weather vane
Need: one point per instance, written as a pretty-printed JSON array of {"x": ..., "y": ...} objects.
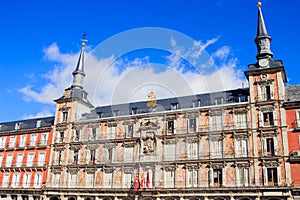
[{"x": 83, "y": 40}]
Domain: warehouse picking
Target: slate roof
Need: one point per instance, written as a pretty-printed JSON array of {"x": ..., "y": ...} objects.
[
  {"x": 27, "y": 124},
  {"x": 292, "y": 93},
  {"x": 208, "y": 99}
]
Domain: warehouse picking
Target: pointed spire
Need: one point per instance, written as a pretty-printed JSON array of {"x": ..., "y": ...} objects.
[
  {"x": 262, "y": 39},
  {"x": 79, "y": 74}
]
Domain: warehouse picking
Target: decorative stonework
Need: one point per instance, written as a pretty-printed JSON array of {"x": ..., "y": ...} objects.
[{"x": 148, "y": 145}]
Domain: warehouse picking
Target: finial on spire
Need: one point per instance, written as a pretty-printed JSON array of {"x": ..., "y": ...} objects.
[
  {"x": 84, "y": 40},
  {"x": 259, "y": 4}
]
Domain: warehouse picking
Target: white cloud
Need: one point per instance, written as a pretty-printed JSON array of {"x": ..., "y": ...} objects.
[
  {"x": 46, "y": 112},
  {"x": 107, "y": 84}
]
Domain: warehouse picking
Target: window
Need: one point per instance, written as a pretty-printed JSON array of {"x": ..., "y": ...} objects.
[
  {"x": 32, "y": 141},
  {"x": 116, "y": 113},
  {"x": 169, "y": 179},
  {"x": 30, "y": 159},
  {"x": 272, "y": 176},
  {"x": 216, "y": 122},
  {"x": 192, "y": 149},
  {"x": 93, "y": 134},
  {"x": 240, "y": 120},
  {"x": 241, "y": 147},
  {"x": 170, "y": 127},
  {"x": 129, "y": 130},
  {"x": 9, "y": 159},
  {"x": 174, "y": 106},
  {"x": 5, "y": 180},
  {"x": 76, "y": 135},
  {"x": 1, "y": 159},
  {"x": 270, "y": 146},
  {"x": 219, "y": 100},
  {"x": 298, "y": 119},
  {"x": 44, "y": 139},
  {"x": 109, "y": 154},
  {"x": 192, "y": 124},
  {"x": 111, "y": 131},
  {"x": 170, "y": 151},
  {"x": 64, "y": 116},
  {"x": 15, "y": 180},
  {"x": 19, "y": 159},
  {"x": 41, "y": 159},
  {"x": 268, "y": 119},
  {"x": 38, "y": 180},
  {"x": 89, "y": 179},
  {"x": 17, "y": 125},
  {"x": 58, "y": 160},
  {"x": 2, "y": 142},
  {"x": 134, "y": 111},
  {"x": 38, "y": 123},
  {"x": 243, "y": 176},
  {"x": 22, "y": 141},
  {"x": 107, "y": 179},
  {"x": 196, "y": 103},
  {"x": 128, "y": 154},
  {"x": 73, "y": 179},
  {"x": 56, "y": 180},
  {"x": 267, "y": 92},
  {"x": 191, "y": 177},
  {"x": 216, "y": 148},
  {"x": 126, "y": 180},
  {"x": 26, "y": 180},
  {"x": 75, "y": 157},
  {"x": 12, "y": 141},
  {"x": 62, "y": 136},
  {"x": 92, "y": 156},
  {"x": 218, "y": 179}
]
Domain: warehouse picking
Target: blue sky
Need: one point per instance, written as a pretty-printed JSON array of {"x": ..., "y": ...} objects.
[{"x": 41, "y": 41}]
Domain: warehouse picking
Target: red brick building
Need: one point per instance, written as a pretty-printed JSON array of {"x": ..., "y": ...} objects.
[{"x": 24, "y": 157}]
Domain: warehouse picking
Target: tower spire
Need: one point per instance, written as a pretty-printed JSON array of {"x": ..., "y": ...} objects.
[
  {"x": 262, "y": 39},
  {"x": 78, "y": 74}
]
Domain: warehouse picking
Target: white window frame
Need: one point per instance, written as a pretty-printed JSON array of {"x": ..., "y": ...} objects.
[
  {"x": 15, "y": 180},
  {"x": 19, "y": 162},
  {"x": 44, "y": 139},
  {"x": 5, "y": 181},
  {"x": 128, "y": 154},
  {"x": 126, "y": 180},
  {"x": 41, "y": 158},
  {"x": 9, "y": 159},
  {"x": 169, "y": 179},
  {"x": 240, "y": 120},
  {"x": 191, "y": 177},
  {"x": 26, "y": 180},
  {"x": 111, "y": 131},
  {"x": 107, "y": 179},
  {"x": 33, "y": 138},
  {"x": 12, "y": 141},
  {"x": 30, "y": 159},
  {"x": 297, "y": 118},
  {"x": 22, "y": 142},
  {"x": 216, "y": 122},
  {"x": 170, "y": 151},
  {"x": 216, "y": 148},
  {"x": 38, "y": 179},
  {"x": 192, "y": 149},
  {"x": 2, "y": 142},
  {"x": 1, "y": 159}
]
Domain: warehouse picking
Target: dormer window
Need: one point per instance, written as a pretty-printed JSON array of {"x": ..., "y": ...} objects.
[
  {"x": 196, "y": 103},
  {"x": 17, "y": 126},
  {"x": 219, "y": 100},
  {"x": 174, "y": 106},
  {"x": 38, "y": 123},
  {"x": 134, "y": 111},
  {"x": 116, "y": 113}
]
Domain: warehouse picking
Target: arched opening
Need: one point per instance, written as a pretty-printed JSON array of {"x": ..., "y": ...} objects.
[
  {"x": 72, "y": 198},
  {"x": 54, "y": 198}
]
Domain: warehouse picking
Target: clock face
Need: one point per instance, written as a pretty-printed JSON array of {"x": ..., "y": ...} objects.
[{"x": 263, "y": 62}]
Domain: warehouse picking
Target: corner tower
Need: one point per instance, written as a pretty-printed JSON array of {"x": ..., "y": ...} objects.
[{"x": 268, "y": 127}]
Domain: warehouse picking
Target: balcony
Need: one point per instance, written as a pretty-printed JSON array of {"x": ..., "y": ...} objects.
[
  {"x": 295, "y": 156},
  {"x": 296, "y": 126}
]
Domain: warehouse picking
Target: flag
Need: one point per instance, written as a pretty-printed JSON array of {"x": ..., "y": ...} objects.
[
  {"x": 136, "y": 181},
  {"x": 142, "y": 180},
  {"x": 148, "y": 179}
]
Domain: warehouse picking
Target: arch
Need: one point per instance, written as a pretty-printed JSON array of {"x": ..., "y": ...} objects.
[
  {"x": 147, "y": 198},
  {"x": 274, "y": 198},
  {"x": 171, "y": 198},
  {"x": 194, "y": 198},
  {"x": 108, "y": 198},
  {"x": 244, "y": 198},
  {"x": 54, "y": 198},
  {"x": 72, "y": 198},
  {"x": 220, "y": 198},
  {"x": 89, "y": 198}
]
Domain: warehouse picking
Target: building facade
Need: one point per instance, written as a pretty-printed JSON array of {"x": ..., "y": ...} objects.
[
  {"x": 236, "y": 144},
  {"x": 24, "y": 157}
]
